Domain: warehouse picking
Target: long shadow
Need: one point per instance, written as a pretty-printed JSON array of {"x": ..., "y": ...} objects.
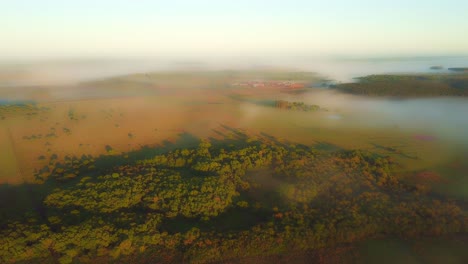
[
  {"x": 393, "y": 151},
  {"x": 231, "y": 139},
  {"x": 240, "y": 139},
  {"x": 106, "y": 162},
  {"x": 327, "y": 147},
  {"x": 18, "y": 200},
  {"x": 236, "y": 138},
  {"x": 237, "y": 132},
  {"x": 274, "y": 140}
]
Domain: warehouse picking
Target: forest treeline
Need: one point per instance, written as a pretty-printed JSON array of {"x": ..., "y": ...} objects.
[
  {"x": 404, "y": 86},
  {"x": 220, "y": 201}
]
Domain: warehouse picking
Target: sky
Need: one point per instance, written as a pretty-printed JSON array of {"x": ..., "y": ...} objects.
[{"x": 87, "y": 28}]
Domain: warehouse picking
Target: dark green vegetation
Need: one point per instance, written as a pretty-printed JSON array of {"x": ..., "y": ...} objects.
[
  {"x": 407, "y": 86},
  {"x": 296, "y": 106},
  {"x": 72, "y": 115},
  {"x": 13, "y": 108},
  {"x": 222, "y": 200},
  {"x": 462, "y": 69}
]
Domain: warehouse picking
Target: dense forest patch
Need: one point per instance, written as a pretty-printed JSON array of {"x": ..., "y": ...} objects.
[{"x": 221, "y": 200}]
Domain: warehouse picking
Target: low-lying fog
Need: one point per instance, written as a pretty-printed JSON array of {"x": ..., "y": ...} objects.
[
  {"x": 343, "y": 69},
  {"x": 444, "y": 118},
  {"x": 439, "y": 122},
  {"x": 435, "y": 118}
]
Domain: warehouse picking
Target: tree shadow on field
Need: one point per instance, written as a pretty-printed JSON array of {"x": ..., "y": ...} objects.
[
  {"x": 327, "y": 147},
  {"x": 394, "y": 151},
  {"x": 184, "y": 140}
]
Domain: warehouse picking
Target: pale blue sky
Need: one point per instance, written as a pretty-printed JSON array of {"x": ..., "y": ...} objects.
[{"x": 59, "y": 28}]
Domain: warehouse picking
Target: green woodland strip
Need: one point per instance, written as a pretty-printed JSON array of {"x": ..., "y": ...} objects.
[{"x": 216, "y": 202}]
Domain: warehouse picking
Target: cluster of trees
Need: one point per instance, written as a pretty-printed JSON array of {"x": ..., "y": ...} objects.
[
  {"x": 12, "y": 108},
  {"x": 296, "y": 106},
  {"x": 177, "y": 203},
  {"x": 68, "y": 168},
  {"x": 72, "y": 115},
  {"x": 408, "y": 85}
]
